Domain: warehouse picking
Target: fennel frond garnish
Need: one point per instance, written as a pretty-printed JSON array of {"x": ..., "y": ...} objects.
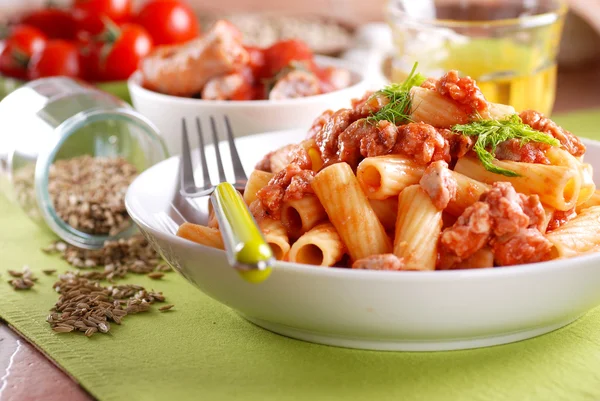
[
  {"x": 490, "y": 133},
  {"x": 398, "y": 109}
]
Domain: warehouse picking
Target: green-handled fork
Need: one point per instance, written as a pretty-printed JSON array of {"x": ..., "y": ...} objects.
[{"x": 246, "y": 248}]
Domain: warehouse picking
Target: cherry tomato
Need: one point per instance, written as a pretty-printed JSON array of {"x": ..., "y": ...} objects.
[
  {"x": 89, "y": 58},
  {"x": 59, "y": 58},
  {"x": 11, "y": 64},
  {"x": 90, "y": 15},
  {"x": 27, "y": 39},
  {"x": 122, "y": 54},
  {"x": 53, "y": 22},
  {"x": 169, "y": 22},
  {"x": 281, "y": 55},
  {"x": 257, "y": 62},
  {"x": 22, "y": 44}
]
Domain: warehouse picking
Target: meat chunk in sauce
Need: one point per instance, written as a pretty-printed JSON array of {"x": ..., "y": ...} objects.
[
  {"x": 469, "y": 234},
  {"x": 299, "y": 185},
  {"x": 527, "y": 245},
  {"x": 294, "y": 84},
  {"x": 439, "y": 184},
  {"x": 511, "y": 211},
  {"x": 369, "y": 104},
  {"x": 318, "y": 124},
  {"x": 506, "y": 208},
  {"x": 327, "y": 138},
  {"x": 183, "y": 70},
  {"x": 290, "y": 183},
  {"x": 533, "y": 208},
  {"x": 530, "y": 152},
  {"x": 539, "y": 122},
  {"x": 363, "y": 138},
  {"x": 459, "y": 145},
  {"x": 387, "y": 261},
  {"x": 422, "y": 142},
  {"x": 463, "y": 91}
]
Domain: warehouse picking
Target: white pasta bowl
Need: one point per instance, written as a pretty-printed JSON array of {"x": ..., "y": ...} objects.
[
  {"x": 246, "y": 117},
  {"x": 383, "y": 310}
]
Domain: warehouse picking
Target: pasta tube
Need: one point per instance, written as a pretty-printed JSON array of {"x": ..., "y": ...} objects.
[
  {"x": 350, "y": 212},
  {"x": 300, "y": 215},
  {"x": 321, "y": 246},
  {"x": 257, "y": 180},
  {"x": 201, "y": 235},
  {"x": 418, "y": 228},
  {"x": 577, "y": 236},
  {"x": 386, "y": 211},
  {"x": 557, "y": 186},
  {"x": 468, "y": 192},
  {"x": 594, "y": 200},
  {"x": 276, "y": 236},
  {"x": 430, "y": 107},
  {"x": 588, "y": 188},
  {"x": 384, "y": 176}
]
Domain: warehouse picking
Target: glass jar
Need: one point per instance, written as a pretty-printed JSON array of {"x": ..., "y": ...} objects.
[
  {"x": 59, "y": 118},
  {"x": 509, "y": 47}
]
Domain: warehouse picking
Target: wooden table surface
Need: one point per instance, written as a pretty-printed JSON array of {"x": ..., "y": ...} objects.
[{"x": 20, "y": 363}]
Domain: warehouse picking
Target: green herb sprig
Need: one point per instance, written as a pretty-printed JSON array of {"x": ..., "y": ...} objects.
[
  {"x": 398, "y": 109},
  {"x": 490, "y": 133}
]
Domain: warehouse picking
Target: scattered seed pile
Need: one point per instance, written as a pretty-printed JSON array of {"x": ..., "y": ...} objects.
[
  {"x": 88, "y": 193},
  {"x": 85, "y": 305},
  {"x": 118, "y": 258},
  {"x": 22, "y": 280}
]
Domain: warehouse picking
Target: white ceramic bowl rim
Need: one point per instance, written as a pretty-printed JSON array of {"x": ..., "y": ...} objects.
[
  {"x": 358, "y": 79},
  {"x": 413, "y": 276}
]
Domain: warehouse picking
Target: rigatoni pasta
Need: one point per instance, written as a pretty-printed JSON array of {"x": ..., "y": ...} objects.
[
  {"x": 418, "y": 228},
  {"x": 557, "y": 186},
  {"x": 350, "y": 212},
  {"x": 386, "y": 211},
  {"x": 321, "y": 246},
  {"x": 578, "y": 236},
  {"x": 300, "y": 215},
  {"x": 201, "y": 234},
  {"x": 276, "y": 236},
  {"x": 256, "y": 181},
  {"x": 385, "y": 176}
]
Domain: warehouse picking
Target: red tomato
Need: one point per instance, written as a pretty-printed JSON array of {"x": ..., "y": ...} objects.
[
  {"x": 27, "y": 39},
  {"x": 59, "y": 58},
  {"x": 121, "y": 56},
  {"x": 90, "y": 15},
  {"x": 11, "y": 65},
  {"x": 22, "y": 44},
  {"x": 54, "y": 23},
  {"x": 89, "y": 58},
  {"x": 169, "y": 22},
  {"x": 281, "y": 55},
  {"x": 257, "y": 62}
]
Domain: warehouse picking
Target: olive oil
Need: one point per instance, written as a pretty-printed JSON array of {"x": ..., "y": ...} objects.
[{"x": 512, "y": 55}]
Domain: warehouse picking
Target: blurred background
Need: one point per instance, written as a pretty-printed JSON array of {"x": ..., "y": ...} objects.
[{"x": 329, "y": 27}]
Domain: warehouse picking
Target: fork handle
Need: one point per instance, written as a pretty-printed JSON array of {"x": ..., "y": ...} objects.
[{"x": 246, "y": 248}]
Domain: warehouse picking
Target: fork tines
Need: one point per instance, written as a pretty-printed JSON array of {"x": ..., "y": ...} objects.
[{"x": 189, "y": 187}]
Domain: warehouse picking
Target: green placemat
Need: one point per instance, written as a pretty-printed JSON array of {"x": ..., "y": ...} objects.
[{"x": 204, "y": 351}]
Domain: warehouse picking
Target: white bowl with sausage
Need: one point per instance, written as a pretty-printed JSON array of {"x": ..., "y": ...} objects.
[
  {"x": 246, "y": 117},
  {"x": 383, "y": 310}
]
